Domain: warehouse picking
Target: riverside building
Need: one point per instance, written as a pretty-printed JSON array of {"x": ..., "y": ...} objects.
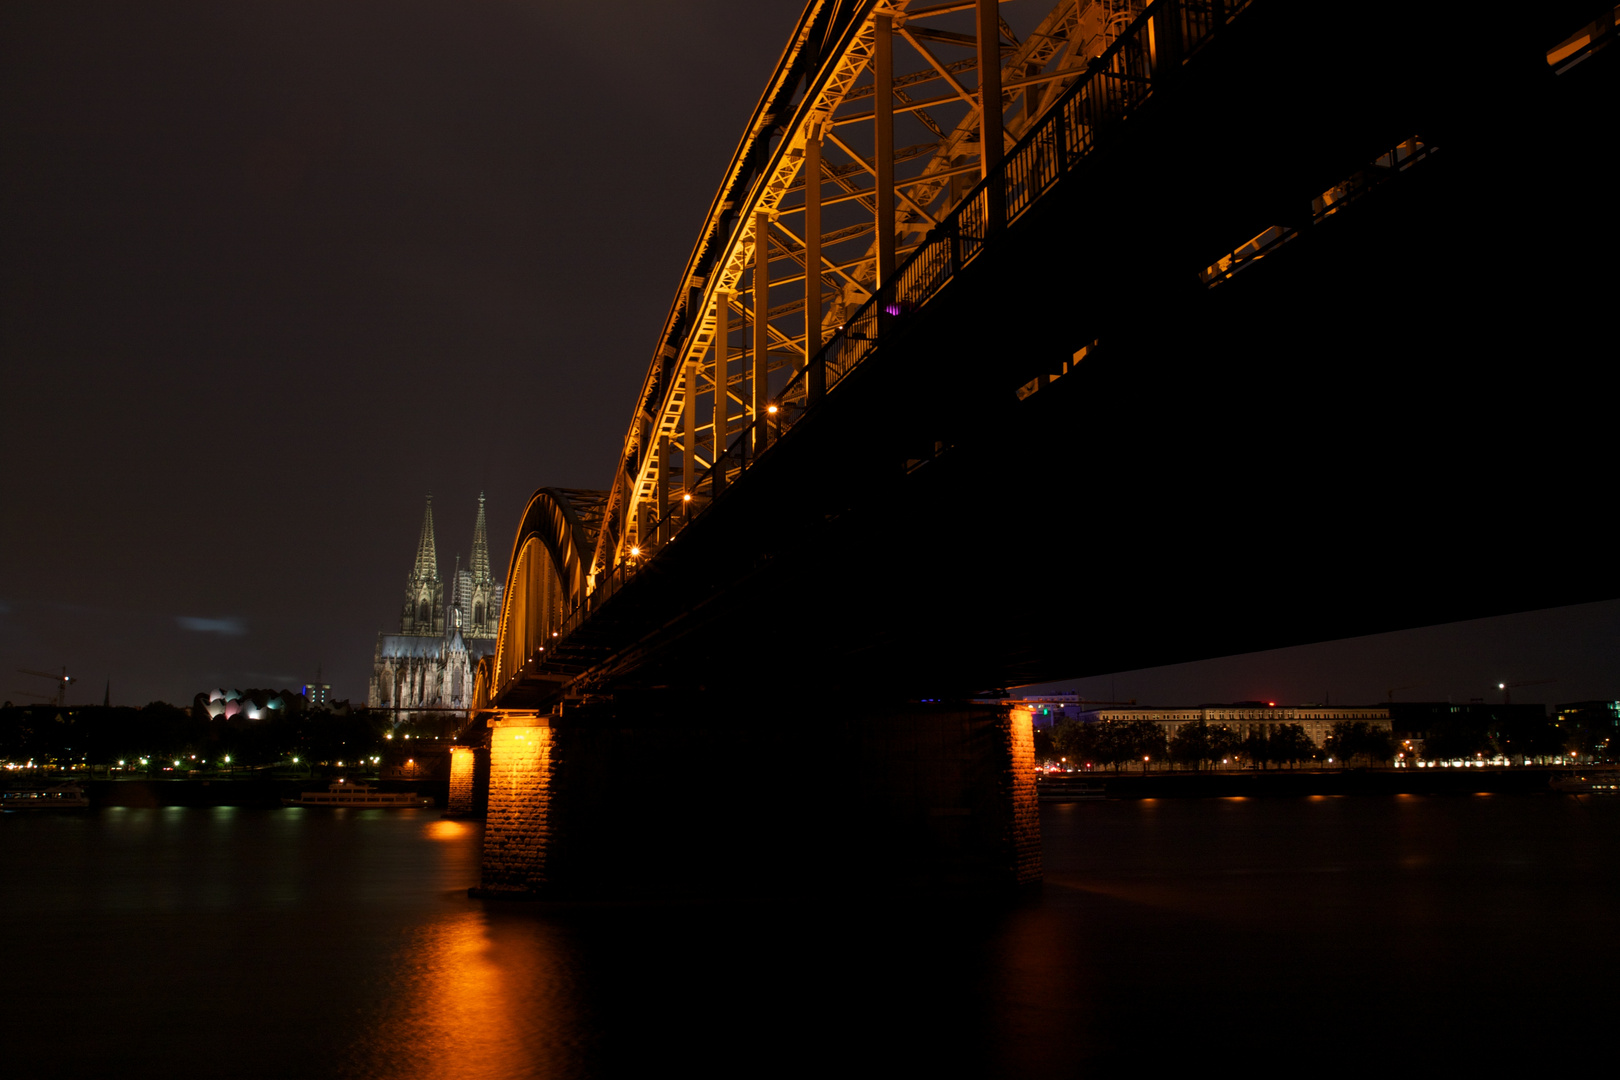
[{"x": 1250, "y": 717}]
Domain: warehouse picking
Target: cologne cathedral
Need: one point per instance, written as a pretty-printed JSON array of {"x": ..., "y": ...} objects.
[{"x": 426, "y": 670}]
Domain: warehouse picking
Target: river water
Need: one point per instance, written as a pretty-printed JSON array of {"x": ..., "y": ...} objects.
[{"x": 1297, "y": 933}]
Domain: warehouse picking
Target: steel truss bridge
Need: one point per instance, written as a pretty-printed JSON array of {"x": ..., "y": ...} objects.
[{"x": 1233, "y": 324}]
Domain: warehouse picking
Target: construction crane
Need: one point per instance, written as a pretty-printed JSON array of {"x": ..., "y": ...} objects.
[
  {"x": 1507, "y": 688},
  {"x": 62, "y": 681}
]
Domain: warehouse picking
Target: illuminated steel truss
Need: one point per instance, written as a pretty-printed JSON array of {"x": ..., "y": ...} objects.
[
  {"x": 887, "y": 176},
  {"x": 905, "y": 194}
]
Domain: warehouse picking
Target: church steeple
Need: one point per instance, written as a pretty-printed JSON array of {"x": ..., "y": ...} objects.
[
  {"x": 484, "y": 618},
  {"x": 424, "y": 592},
  {"x": 427, "y": 555},
  {"x": 479, "y": 564}
]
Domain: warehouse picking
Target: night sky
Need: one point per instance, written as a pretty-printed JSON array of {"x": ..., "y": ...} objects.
[{"x": 272, "y": 272}]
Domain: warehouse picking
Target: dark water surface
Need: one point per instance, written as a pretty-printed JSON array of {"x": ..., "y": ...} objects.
[{"x": 1353, "y": 931}]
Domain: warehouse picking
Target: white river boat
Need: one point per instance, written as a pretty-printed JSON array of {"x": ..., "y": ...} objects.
[{"x": 360, "y": 797}]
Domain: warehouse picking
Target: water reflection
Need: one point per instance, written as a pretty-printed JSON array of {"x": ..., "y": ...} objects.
[
  {"x": 445, "y": 829},
  {"x": 466, "y": 1003},
  {"x": 302, "y": 943}
]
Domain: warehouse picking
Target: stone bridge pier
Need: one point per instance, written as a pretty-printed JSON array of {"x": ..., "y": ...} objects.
[{"x": 684, "y": 795}]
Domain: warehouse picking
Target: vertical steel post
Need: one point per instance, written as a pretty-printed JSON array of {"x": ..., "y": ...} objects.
[
  {"x": 722, "y": 358},
  {"x": 816, "y": 378},
  {"x": 626, "y": 524},
  {"x": 988, "y": 15},
  {"x": 662, "y": 536},
  {"x": 883, "y": 150},
  {"x": 689, "y": 430},
  {"x": 1060, "y": 140},
  {"x": 762, "y": 324},
  {"x": 1166, "y": 37}
]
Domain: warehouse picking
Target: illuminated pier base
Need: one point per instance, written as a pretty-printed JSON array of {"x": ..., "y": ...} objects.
[
  {"x": 518, "y": 826},
  {"x": 463, "y": 777},
  {"x": 685, "y": 796}
]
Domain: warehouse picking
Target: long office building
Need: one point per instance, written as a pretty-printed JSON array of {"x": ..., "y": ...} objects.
[{"x": 1249, "y": 717}]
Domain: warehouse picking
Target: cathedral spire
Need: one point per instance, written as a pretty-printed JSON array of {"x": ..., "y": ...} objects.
[
  {"x": 479, "y": 563},
  {"x": 427, "y": 556},
  {"x": 482, "y": 611},
  {"x": 423, "y": 613}
]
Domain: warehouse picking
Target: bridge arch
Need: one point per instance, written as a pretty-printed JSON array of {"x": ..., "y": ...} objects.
[{"x": 545, "y": 579}]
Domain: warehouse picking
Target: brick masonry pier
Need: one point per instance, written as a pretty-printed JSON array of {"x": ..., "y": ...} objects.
[
  {"x": 517, "y": 829},
  {"x": 463, "y": 770}
]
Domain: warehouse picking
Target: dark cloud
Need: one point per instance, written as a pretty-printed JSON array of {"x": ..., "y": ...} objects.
[{"x": 228, "y": 626}]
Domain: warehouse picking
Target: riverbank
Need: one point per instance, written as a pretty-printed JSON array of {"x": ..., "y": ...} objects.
[{"x": 1294, "y": 783}]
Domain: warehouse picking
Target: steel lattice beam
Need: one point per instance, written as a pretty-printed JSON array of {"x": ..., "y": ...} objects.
[{"x": 822, "y": 82}]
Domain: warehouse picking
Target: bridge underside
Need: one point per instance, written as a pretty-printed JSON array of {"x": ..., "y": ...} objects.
[{"x": 1387, "y": 421}]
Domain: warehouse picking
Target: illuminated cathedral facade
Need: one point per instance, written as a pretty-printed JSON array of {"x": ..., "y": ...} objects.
[{"x": 426, "y": 670}]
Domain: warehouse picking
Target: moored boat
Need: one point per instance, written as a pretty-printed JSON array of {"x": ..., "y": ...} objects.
[
  {"x": 1068, "y": 789},
  {"x": 61, "y": 797},
  {"x": 360, "y": 797}
]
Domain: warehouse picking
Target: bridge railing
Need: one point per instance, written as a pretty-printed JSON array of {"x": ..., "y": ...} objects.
[{"x": 1114, "y": 85}]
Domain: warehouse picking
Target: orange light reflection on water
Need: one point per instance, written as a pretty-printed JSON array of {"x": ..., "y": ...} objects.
[
  {"x": 474, "y": 997},
  {"x": 444, "y": 829}
]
